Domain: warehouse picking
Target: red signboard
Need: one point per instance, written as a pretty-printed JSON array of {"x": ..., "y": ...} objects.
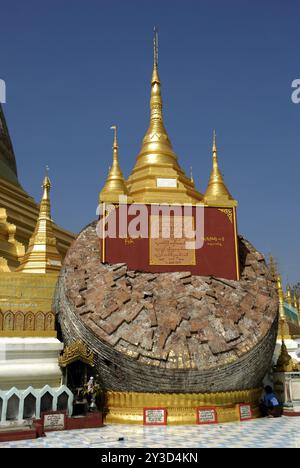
[
  {"x": 217, "y": 257},
  {"x": 155, "y": 416},
  {"x": 54, "y": 421},
  {"x": 207, "y": 415},
  {"x": 245, "y": 412}
]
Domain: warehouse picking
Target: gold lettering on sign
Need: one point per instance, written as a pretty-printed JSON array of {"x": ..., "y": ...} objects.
[
  {"x": 168, "y": 248},
  {"x": 214, "y": 241}
]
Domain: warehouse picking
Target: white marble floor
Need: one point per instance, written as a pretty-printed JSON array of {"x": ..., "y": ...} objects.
[{"x": 282, "y": 432}]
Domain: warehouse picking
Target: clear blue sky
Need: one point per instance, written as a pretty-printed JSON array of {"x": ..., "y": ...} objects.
[{"x": 75, "y": 67}]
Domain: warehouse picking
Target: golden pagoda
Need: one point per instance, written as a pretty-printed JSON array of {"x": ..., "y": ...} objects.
[
  {"x": 42, "y": 255},
  {"x": 18, "y": 210},
  {"x": 115, "y": 185},
  {"x": 217, "y": 193},
  {"x": 157, "y": 176}
]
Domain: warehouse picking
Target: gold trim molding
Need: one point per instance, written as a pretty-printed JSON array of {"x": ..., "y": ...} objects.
[
  {"x": 27, "y": 323},
  {"x": 76, "y": 351},
  {"x": 127, "y": 407}
]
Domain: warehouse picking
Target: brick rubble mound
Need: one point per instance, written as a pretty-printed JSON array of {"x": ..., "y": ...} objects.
[{"x": 169, "y": 332}]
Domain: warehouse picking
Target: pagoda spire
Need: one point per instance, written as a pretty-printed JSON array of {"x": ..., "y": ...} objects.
[
  {"x": 281, "y": 298},
  {"x": 156, "y": 139},
  {"x": 42, "y": 255},
  {"x": 289, "y": 296},
  {"x": 217, "y": 193},
  {"x": 157, "y": 176},
  {"x": 115, "y": 185},
  {"x": 295, "y": 301}
]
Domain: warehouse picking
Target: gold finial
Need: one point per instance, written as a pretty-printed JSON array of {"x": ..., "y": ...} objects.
[
  {"x": 155, "y": 46},
  {"x": 42, "y": 255},
  {"x": 114, "y": 128},
  {"x": 115, "y": 185},
  {"x": 46, "y": 191},
  {"x": 217, "y": 193},
  {"x": 214, "y": 147}
]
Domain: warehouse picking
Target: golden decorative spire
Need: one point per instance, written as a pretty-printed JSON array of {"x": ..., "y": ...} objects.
[
  {"x": 115, "y": 185},
  {"x": 289, "y": 296},
  {"x": 281, "y": 298},
  {"x": 42, "y": 255},
  {"x": 217, "y": 193},
  {"x": 295, "y": 301},
  {"x": 157, "y": 176}
]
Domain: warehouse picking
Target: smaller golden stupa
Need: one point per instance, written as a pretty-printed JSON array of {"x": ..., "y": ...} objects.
[
  {"x": 42, "y": 255},
  {"x": 115, "y": 185},
  {"x": 217, "y": 193}
]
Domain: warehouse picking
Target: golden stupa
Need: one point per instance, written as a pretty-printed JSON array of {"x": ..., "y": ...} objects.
[
  {"x": 42, "y": 255},
  {"x": 18, "y": 210},
  {"x": 157, "y": 176},
  {"x": 217, "y": 193},
  {"x": 115, "y": 185}
]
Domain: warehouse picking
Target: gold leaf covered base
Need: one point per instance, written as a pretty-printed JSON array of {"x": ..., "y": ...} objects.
[{"x": 127, "y": 407}]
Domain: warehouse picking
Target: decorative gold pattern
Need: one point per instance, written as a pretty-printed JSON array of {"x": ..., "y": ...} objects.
[
  {"x": 76, "y": 351},
  {"x": 127, "y": 407},
  {"x": 228, "y": 212},
  {"x": 42, "y": 255},
  {"x": 217, "y": 193},
  {"x": 27, "y": 324}
]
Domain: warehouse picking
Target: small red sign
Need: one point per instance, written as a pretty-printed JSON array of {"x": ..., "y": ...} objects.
[
  {"x": 207, "y": 415},
  {"x": 54, "y": 421},
  {"x": 245, "y": 412},
  {"x": 155, "y": 416}
]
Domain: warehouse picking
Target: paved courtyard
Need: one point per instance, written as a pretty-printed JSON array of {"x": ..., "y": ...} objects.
[{"x": 275, "y": 433}]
